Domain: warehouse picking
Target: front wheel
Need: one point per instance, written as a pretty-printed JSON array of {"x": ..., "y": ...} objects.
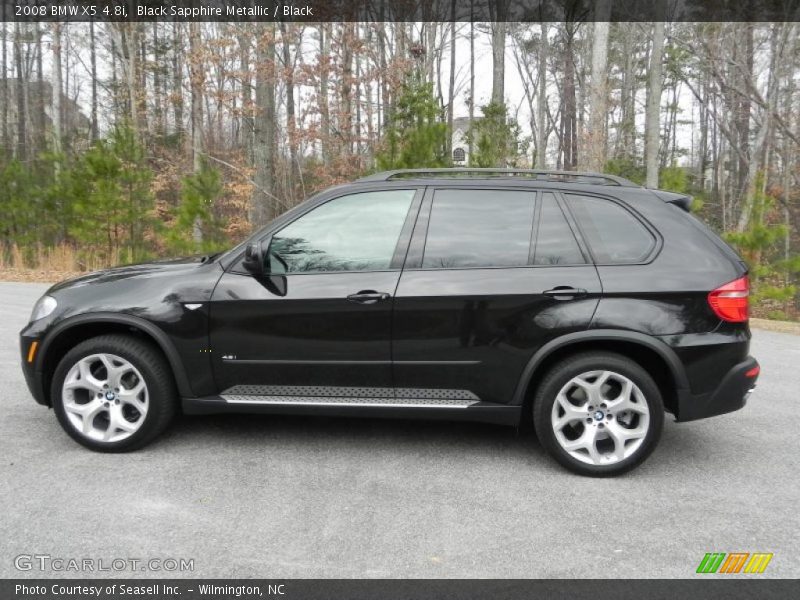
[
  {"x": 598, "y": 414},
  {"x": 113, "y": 393}
]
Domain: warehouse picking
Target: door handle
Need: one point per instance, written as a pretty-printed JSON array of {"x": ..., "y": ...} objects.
[
  {"x": 565, "y": 292},
  {"x": 368, "y": 297}
]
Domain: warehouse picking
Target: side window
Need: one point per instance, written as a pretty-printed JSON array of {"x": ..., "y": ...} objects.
[
  {"x": 479, "y": 228},
  {"x": 358, "y": 232},
  {"x": 614, "y": 234},
  {"x": 555, "y": 241}
]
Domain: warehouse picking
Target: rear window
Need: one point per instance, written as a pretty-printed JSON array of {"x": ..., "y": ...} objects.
[
  {"x": 614, "y": 234},
  {"x": 479, "y": 228}
]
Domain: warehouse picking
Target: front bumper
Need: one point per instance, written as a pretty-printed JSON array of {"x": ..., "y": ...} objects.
[
  {"x": 33, "y": 378},
  {"x": 731, "y": 394}
]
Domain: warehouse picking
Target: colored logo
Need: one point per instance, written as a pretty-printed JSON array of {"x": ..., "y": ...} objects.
[{"x": 734, "y": 562}]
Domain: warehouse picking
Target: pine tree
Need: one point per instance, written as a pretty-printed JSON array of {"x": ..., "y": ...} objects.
[{"x": 415, "y": 137}]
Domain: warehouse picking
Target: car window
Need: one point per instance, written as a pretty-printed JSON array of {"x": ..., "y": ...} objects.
[
  {"x": 613, "y": 233},
  {"x": 358, "y": 232},
  {"x": 555, "y": 241},
  {"x": 479, "y": 228}
]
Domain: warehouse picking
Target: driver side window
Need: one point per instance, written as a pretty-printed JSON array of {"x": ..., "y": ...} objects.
[{"x": 358, "y": 232}]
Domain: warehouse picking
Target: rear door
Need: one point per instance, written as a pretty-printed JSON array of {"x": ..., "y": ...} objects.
[{"x": 491, "y": 275}]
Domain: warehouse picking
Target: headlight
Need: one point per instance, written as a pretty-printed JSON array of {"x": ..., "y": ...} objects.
[{"x": 43, "y": 307}]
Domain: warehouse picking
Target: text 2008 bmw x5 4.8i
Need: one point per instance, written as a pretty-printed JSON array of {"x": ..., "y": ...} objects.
[{"x": 580, "y": 302}]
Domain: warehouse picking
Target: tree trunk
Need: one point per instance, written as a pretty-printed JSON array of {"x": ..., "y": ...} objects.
[
  {"x": 471, "y": 80},
  {"x": 569, "y": 115},
  {"x": 324, "y": 106},
  {"x": 93, "y": 74},
  {"x": 652, "y": 127},
  {"x": 451, "y": 88},
  {"x": 499, "y": 29},
  {"x": 262, "y": 208},
  {"x": 132, "y": 53},
  {"x": 291, "y": 124},
  {"x": 22, "y": 145},
  {"x": 759, "y": 158},
  {"x": 196, "y": 76},
  {"x": 4, "y": 143},
  {"x": 157, "y": 96},
  {"x": 56, "y": 90},
  {"x": 177, "y": 79},
  {"x": 541, "y": 101},
  {"x": 599, "y": 92},
  {"x": 345, "y": 116},
  {"x": 246, "y": 130}
]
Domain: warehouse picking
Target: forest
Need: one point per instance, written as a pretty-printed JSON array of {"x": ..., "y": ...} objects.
[{"x": 122, "y": 142}]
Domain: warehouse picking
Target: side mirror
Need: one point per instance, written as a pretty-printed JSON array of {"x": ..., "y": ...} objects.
[{"x": 254, "y": 259}]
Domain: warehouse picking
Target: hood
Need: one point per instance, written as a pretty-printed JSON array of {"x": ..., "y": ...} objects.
[{"x": 155, "y": 269}]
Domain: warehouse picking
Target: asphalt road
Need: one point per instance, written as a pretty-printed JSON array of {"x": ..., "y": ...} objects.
[{"x": 317, "y": 497}]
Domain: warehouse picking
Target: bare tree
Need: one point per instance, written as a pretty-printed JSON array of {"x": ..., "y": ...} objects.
[
  {"x": 652, "y": 120},
  {"x": 598, "y": 104},
  {"x": 56, "y": 86},
  {"x": 262, "y": 208}
]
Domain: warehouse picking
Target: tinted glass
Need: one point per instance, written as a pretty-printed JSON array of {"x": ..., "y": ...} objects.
[
  {"x": 614, "y": 234},
  {"x": 352, "y": 233},
  {"x": 555, "y": 242},
  {"x": 479, "y": 228}
]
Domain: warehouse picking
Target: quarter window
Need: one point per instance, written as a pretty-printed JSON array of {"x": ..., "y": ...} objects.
[
  {"x": 614, "y": 234},
  {"x": 555, "y": 242},
  {"x": 479, "y": 228},
  {"x": 358, "y": 232}
]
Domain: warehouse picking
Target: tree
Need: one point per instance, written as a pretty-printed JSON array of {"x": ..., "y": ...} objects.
[
  {"x": 56, "y": 88},
  {"x": 415, "y": 137},
  {"x": 495, "y": 138},
  {"x": 652, "y": 116},
  {"x": 199, "y": 192},
  {"x": 112, "y": 199},
  {"x": 598, "y": 104},
  {"x": 262, "y": 209}
]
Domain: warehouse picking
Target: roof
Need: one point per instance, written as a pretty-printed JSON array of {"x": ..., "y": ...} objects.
[{"x": 494, "y": 174}]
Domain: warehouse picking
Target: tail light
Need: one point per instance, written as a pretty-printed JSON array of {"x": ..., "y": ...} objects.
[{"x": 730, "y": 301}]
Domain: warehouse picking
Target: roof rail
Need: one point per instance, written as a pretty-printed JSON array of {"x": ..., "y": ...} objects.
[{"x": 538, "y": 174}]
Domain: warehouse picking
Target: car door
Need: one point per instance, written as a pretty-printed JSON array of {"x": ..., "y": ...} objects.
[
  {"x": 491, "y": 275},
  {"x": 319, "y": 323}
]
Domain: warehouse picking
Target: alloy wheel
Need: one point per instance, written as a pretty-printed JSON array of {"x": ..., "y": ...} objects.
[
  {"x": 105, "y": 397},
  {"x": 600, "y": 417}
]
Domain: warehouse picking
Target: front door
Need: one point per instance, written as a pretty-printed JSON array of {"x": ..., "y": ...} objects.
[
  {"x": 491, "y": 276},
  {"x": 319, "y": 324}
]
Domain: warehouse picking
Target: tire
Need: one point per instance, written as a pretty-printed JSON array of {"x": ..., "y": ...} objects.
[
  {"x": 595, "y": 441},
  {"x": 84, "y": 398}
]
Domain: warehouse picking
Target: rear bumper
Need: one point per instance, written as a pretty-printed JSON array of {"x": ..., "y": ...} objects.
[{"x": 731, "y": 394}]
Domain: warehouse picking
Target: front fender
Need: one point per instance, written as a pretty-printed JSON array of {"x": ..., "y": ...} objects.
[{"x": 155, "y": 333}]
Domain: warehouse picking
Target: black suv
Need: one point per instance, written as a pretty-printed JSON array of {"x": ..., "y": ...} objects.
[{"x": 580, "y": 301}]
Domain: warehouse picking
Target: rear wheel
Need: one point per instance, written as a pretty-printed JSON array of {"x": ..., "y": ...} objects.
[
  {"x": 598, "y": 414},
  {"x": 113, "y": 393}
]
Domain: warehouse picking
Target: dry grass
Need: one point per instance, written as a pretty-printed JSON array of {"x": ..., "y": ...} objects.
[
  {"x": 47, "y": 264},
  {"x": 64, "y": 258}
]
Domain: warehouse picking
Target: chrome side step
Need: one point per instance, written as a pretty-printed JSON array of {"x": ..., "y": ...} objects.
[
  {"x": 348, "y": 396},
  {"x": 360, "y": 402}
]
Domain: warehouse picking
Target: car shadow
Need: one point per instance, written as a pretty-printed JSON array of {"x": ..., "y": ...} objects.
[{"x": 348, "y": 434}]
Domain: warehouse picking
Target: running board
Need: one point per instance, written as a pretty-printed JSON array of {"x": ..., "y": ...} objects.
[
  {"x": 455, "y": 409},
  {"x": 360, "y": 402}
]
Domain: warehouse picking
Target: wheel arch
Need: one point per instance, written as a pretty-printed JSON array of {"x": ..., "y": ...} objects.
[
  {"x": 658, "y": 359},
  {"x": 70, "y": 332}
]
